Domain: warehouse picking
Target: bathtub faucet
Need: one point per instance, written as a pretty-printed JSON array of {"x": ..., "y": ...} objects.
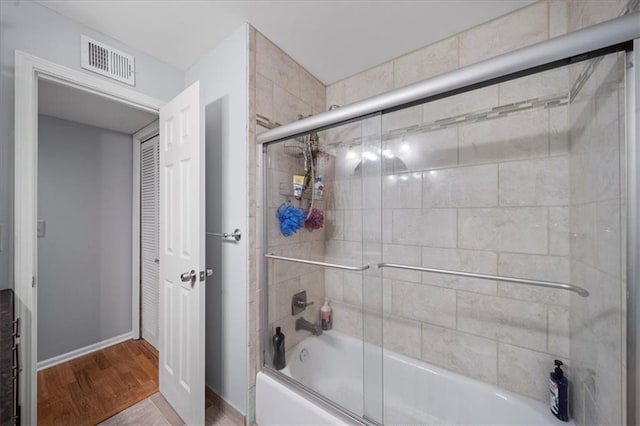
[{"x": 303, "y": 324}]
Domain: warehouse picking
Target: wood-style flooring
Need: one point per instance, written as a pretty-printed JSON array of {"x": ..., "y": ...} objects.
[{"x": 94, "y": 387}]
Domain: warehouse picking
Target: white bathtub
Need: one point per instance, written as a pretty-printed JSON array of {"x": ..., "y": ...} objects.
[{"x": 414, "y": 392}]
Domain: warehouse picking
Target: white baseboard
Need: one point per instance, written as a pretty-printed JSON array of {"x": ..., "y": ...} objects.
[{"x": 83, "y": 351}]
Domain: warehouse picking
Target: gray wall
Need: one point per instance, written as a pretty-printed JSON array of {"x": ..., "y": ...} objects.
[
  {"x": 84, "y": 260},
  {"x": 223, "y": 77},
  {"x": 34, "y": 29}
]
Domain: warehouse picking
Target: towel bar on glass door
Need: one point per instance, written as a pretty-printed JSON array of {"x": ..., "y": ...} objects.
[
  {"x": 537, "y": 283},
  {"x": 313, "y": 262},
  {"x": 235, "y": 235}
]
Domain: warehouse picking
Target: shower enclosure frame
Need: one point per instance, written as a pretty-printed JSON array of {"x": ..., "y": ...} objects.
[{"x": 620, "y": 34}]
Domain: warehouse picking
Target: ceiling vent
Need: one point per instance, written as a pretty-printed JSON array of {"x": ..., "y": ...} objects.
[{"x": 107, "y": 61}]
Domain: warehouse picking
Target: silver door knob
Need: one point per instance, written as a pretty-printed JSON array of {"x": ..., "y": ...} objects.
[
  {"x": 188, "y": 276},
  {"x": 209, "y": 272}
]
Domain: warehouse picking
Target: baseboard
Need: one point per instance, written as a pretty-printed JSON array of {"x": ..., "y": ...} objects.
[
  {"x": 224, "y": 406},
  {"x": 83, "y": 351}
]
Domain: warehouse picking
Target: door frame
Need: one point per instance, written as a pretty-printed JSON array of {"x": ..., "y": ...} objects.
[
  {"x": 139, "y": 137},
  {"x": 28, "y": 70}
]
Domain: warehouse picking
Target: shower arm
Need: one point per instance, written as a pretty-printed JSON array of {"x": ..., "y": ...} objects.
[{"x": 536, "y": 283}]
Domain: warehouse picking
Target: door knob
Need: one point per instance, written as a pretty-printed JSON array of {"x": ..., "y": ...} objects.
[{"x": 188, "y": 276}]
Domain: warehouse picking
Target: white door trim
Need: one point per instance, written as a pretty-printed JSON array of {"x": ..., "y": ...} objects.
[
  {"x": 28, "y": 69},
  {"x": 140, "y": 136}
]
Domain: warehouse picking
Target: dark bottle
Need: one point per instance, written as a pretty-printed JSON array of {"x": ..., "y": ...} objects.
[
  {"x": 558, "y": 386},
  {"x": 278, "y": 350}
]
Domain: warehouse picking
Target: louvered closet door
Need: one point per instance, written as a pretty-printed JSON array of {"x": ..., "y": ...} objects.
[{"x": 150, "y": 235}]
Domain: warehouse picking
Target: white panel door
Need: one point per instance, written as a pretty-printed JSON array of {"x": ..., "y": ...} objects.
[
  {"x": 182, "y": 246},
  {"x": 150, "y": 239}
]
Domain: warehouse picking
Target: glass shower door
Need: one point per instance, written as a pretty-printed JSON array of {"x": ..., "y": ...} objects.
[
  {"x": 523, "y": 179},
  {"x": 325, "y": 240}
]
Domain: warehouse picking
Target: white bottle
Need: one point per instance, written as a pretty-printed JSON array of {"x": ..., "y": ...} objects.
[{"x": 326, "y": 315}]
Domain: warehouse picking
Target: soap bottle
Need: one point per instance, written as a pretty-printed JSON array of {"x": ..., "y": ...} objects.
[
  {"x": 558, "y": 387},
  {"x": 326, "y": 315},
  {"x": 278, "y": 350}
]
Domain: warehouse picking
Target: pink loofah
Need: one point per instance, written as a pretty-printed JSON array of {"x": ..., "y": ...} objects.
[{"x": 315, "y": 220}]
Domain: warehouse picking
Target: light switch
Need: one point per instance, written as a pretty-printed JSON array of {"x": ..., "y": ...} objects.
[{"x": 42, "y": 226}]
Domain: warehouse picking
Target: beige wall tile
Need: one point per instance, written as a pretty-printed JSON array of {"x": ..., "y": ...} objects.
[
  {"x": 463, "y": 353},
  {"x": 558, "y": 19},
  {"x": 559, "y": 130},
  {"x": 522, "y": 229},
  {"x": 347, "y": 319},
  {"x": 369, "y": 83},
  {"x": 264, "y": 97},
  {"x": 276, "y": 65},
  {"x": 608, "y": 241},
  {"x": 546, "y": 268},
  {"x": 335, "y": 94},
  {"x": 559, "y": 231},
  {"x": 353, "y": 288},
  {"x": 427, "y": 62},
  {"x": 312, "y": 91},
  {"x": 515, "y": 137},
  {"x": 286, "y": 106},
  {"x": 428, "y": 150},
  {"x": 408, "y": 255},
  {"x": 548, "y": 83},
  {"x": 464, "y": 103},
  {"x": 460, "y": 260},
  {"x": 425, "y": 303},
  {"x": 539, "y": 182},
  {"x": 475, "y": 186},
  {"x": 401, "y": 119},
  {"x": 524, "y": 371},
  {"x": 333, "y": 284},
  {"x": 402, "y": 336},
  {"x": 402, "y": 191},
  {"x": 506, "y": 320},
  {"x": 524, "y": 27},
  {"x": 352, "y": 227},
  {"x": 432, "y": 227},
  {"x": 559, "y": 334}
]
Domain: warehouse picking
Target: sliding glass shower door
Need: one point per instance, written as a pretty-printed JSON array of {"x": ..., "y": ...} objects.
[
  {"x": 323, "y": 225},
  {"x": 464, "y": 245},
  {"x": 503, "y": 248}
]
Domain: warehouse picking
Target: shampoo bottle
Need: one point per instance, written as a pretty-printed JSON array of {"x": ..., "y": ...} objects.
[
  {"x": 278, "y": 350},
  {"x": 558, "y": 386},
  {"x": 326, "y": 315}
]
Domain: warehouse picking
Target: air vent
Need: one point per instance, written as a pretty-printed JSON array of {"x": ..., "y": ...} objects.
[{"x": 107, "y": 61}]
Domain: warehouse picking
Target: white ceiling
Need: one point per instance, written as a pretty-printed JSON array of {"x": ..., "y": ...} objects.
[
  {"x": 72, "y": 104},
  {"x": 331, "y": 38}
]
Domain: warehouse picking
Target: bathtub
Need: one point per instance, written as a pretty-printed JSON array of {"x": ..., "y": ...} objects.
[{"x": 414, "y": 392}]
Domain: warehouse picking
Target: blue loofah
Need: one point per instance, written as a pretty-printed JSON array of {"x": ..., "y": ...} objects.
[{"x": 291, "y": 219}]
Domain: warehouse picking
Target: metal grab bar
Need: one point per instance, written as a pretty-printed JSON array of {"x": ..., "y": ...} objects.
[
  {"x": 313, "y": 262},
  {"x": 236, "y": 234},
  {"x": 538, "y": 283}
]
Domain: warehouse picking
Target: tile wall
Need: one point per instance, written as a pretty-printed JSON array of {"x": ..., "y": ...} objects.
[{"x": 281, "y": 89}]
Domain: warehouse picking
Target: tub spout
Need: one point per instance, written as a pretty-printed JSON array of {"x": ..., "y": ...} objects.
[{"x": 303, "y": 324}]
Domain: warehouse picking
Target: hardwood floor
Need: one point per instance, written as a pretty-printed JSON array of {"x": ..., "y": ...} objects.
[{"x": 92, "y": 388}]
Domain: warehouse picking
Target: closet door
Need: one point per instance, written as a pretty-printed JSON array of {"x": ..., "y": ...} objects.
[{"x": 150, "y": 239}]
